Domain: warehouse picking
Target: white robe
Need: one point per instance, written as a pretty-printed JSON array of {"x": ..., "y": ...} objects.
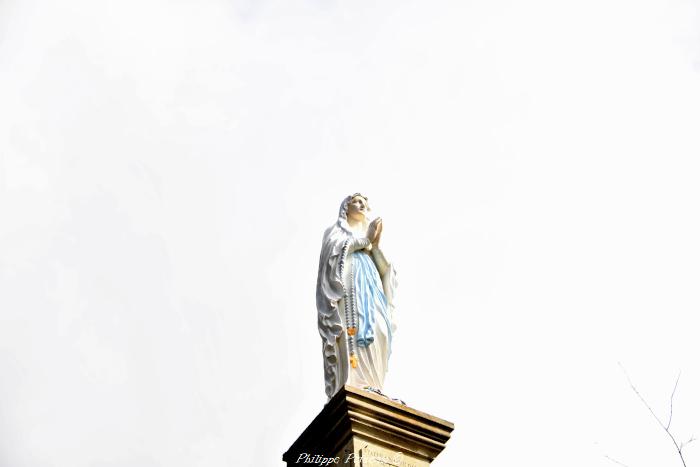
[{"x": 372, "y": 359}]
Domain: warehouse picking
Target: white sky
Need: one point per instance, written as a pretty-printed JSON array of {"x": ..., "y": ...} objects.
[{"x": 167, "y": 170}]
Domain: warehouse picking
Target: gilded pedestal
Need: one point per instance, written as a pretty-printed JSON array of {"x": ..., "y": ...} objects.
[{"x": 360, "y": 428}]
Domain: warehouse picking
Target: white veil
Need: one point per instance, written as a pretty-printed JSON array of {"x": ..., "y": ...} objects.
[{"x": 329, "y": 290}]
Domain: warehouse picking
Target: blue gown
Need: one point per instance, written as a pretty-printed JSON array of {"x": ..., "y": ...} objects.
[{"x": 373, "y": 338}]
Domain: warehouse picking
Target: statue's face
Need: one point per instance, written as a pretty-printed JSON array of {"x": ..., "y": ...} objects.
[{"x": 357, "y": 208}]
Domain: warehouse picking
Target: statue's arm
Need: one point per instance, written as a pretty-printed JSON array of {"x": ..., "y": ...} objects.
[
  {"x": 358, "y": 244},
  {"x": 380, "y": 261}
]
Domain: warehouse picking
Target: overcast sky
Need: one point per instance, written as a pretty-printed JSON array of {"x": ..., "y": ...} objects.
[{"x": 167, "y": 170}]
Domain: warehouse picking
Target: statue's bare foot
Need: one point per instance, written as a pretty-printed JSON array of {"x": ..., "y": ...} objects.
[{"x": 378, "y": 391}]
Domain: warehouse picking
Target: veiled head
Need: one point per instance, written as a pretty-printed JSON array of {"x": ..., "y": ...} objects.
[
  {"x": 354, "y": 209},
  {"x": 357, "y": 208}
]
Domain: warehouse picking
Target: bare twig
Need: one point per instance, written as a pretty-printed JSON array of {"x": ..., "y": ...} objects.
[
  {"x": 679, "y": 448},
  {"x": 685, "y": 443},
  {"x": 615, "y": 461},
  {"x": 670, "y": 415}
]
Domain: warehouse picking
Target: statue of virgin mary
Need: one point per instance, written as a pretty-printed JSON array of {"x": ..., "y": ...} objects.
[{"x": 354, "y": 298}]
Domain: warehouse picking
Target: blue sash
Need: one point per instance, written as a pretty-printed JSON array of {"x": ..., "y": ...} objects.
[{"x": 369, "y": 298}]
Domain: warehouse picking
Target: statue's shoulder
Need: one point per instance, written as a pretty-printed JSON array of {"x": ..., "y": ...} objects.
[
  {"x": 333, "y": 239},
  {"x": 334, "y": 234}
]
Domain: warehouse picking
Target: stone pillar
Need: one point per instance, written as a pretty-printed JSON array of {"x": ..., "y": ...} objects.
[{"x": 360, "y": 428}]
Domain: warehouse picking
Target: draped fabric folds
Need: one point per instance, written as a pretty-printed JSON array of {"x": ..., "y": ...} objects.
[
  {"x": 374, "y": 284},
  {"x": 370, "y": 298}
]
